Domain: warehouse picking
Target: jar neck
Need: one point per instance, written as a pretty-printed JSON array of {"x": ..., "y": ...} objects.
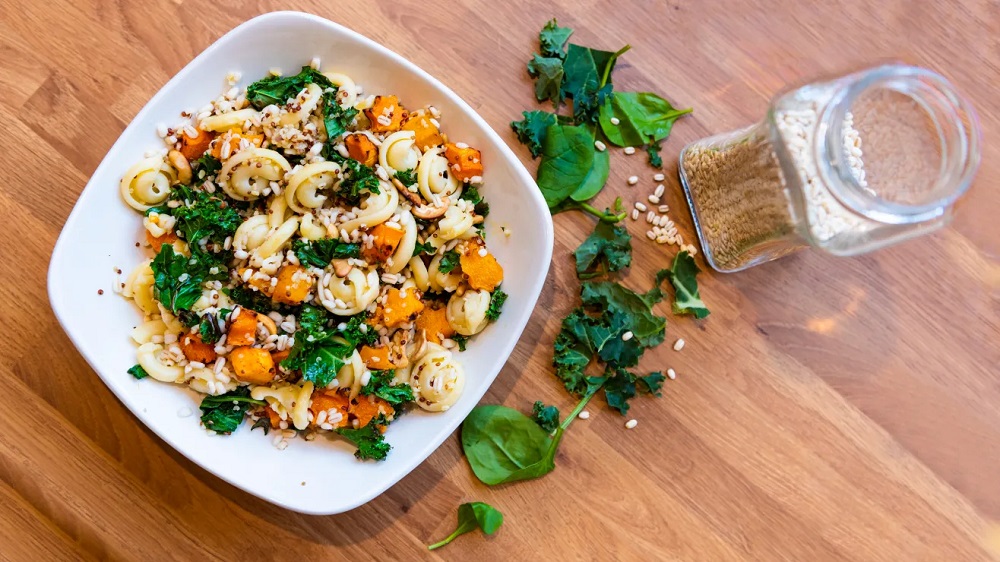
[{"x": 911, "y": 186}]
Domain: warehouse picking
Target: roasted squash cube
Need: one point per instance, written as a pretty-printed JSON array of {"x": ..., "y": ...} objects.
[
  {"x": 196, "y": 350},
  {"x": 386, "y": 241},
  {"x": 464, "y": 162},
  {"x": 426, "y": 134},
  {"x": 242, "y": 329},
  {"x": 480, "y": 268},
  {"x": 252, "y": 365},
  {"x": 293, "y": 285},
  {"x": 386, "y": 115},
  {"x": 361, "y": 148}
]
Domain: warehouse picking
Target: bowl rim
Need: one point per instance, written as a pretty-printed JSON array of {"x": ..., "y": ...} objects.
[{"x": 63, "y": 310}]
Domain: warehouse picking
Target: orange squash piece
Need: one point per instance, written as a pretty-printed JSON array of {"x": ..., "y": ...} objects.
[
  {"x": 386, "y": 241},
  {"x": 293, "y": 285},
  {"x": 194, "y": 148},
  {"x": 398, "y": 308},
  {"x": 243, "y": 329},
  {"x": 392, "y": 114},
  {"x": 426, "y": 134},
  {"x": 257, "y": 283},
  {"x": 273, "y": 417},
  {"x": 279, "y": 356},
  {"x": 377, "y": 358},
  {"x": 157, "y": 241},
  {"x": 464, "y": 163},
  {"x": 483, "y": 272},
  {"x": 366, "y": 408},
  {"x": 361, "y": 148},
  {"x": 325, "y": 400},
  {"x": 434, "y": 323},
  {"x": 196, "y": 350},
  {"x": 252, "y": 365},
  {"x": 234, "y": 142}
]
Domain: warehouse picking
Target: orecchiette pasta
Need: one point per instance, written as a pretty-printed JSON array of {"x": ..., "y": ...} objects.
[
  {"x": 466, "y": 313},
  {"x": 326, "y": 238},
  {"x": 147, "y": 183},
  {"x": 437, "y": 379},
  {"x": 246, "y": 175}
]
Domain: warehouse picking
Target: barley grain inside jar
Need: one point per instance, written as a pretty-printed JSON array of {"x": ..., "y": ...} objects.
[{"x": 847, "y": 166}]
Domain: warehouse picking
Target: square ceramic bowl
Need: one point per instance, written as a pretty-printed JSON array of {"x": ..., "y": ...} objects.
[{"x": 101, "y": 232}]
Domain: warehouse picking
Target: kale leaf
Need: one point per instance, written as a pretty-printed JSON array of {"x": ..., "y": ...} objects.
[
  {"x": 319, "y": 253},
  {"x": 279, "y": 89},
  {"x": 449, "y": 261},
  {"x": 357, "y": 178},
  {"x": 381, "y": 386},
  {"x": 682, "y": 277},
  {"x": 336, "y": 119},
  {"x": 224, "y": 413},
  {"x": 461, "y": 341},
  {"x": 177, "y": 280},
  {"x": 653, "y": 151},
  {"x": 496, "y": 305},
  {"x": 548, "y": 74},
  {"x": 547, "y": 417},
  {"x": 201, "y": 216},
  {"x": 369, "y": 440},
  {"x": 552, "y": 39},
  {"x": 208, "y": 326},
  {"x": 607, "y": 249},
  {"x": 249, "y": 299},
  {"x": 424, "y": 248},
  {"x": 472, "y": 195},
  {"x": 406, "y": 177},
  {"x": 137, "y": 371},
  {"x": 321, "y": 348},
  {"x": 207, "y": 165},
  {"x": 531, "y": 129}
]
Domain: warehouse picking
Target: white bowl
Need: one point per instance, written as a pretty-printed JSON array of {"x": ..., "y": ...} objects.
[{"x": 322, "y": 476}]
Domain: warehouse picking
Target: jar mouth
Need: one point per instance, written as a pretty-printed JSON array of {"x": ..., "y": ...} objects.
[{"x": 914, "y": 152}]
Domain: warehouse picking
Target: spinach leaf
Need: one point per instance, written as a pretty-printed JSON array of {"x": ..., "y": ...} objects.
[
  {"x": 643, "y": 117},
  {"x": 461, "y": 340},
  {"x": 319, "y": 253},
  {"x": 336, "y": 119},
  {"x": 472, "y": 516},
  {"x": 264, "y": 423},
  {"x": 570, "y": 164},
  {"x": 607, "y": 249},
  {"x": 207, "y": 165},
  {"x": 137, "y": 371},
  {"x": 503, "y": 445},
  {"x": 531, "y": 129},
  {"x": 553, "y": 39},
  {"x": 449, "y": 261},
  {"x": 653, "y": 151},
  {"x": 547, "y": 417},
  {"x": 381, "y": 386},
  {"x": 208, "y": 326},
  {"x": 496, "y": 305},
  {"x": 368, "y": 439},
  {"x": 279, "y": 89},
  {"x": 587, "y": 80},
  {"x": 224, "y": 413}
]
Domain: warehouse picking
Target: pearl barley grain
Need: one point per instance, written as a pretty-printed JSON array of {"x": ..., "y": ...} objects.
[
  {"x": 584, "y": 415},
  {"x": 632, "y": 180},
  {"x": 671, "y": 374},
  {"x": 679, "y": 344},
  {"x": 630, "y": 424},
  {"x": 630, "y": 150},
  {"x": 659, "y": 177},
  {"x": 615, "y": 121},
  {"x": 600, "y": 146}
]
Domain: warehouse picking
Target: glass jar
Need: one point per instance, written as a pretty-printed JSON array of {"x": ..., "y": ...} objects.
[{"x": 846, "y": 165}]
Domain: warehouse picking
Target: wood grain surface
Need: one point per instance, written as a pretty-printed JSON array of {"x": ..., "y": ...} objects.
[{"x": 828, "y": 409}]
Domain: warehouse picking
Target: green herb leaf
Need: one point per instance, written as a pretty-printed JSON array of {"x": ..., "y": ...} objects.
[
  {"x": 607, "y": 249},
  {"x": 548, "y": 75},
  {"x": 424, "y": 248},
  {"x": 203, "y": 216},
  {"x": 406, "y": 177},
  {"x": 320, "y": 253},
  {"x": 547, "y": 417},
  {"x": 651, "y": 383},
  {"x": 682, "y": 277},
  {"x": 570, "y": 164},
  {"x": 449, "y": 261},
  {"x": 553, "y": 39},
  {"x": 249, "y": 299},
  {"x": 642, "y": 117},
  {"x": 504, "y": 445},
  {"x": 177, "y": 280},
  {"x": 587, "y": 80},
  {"x": 320, "y": 350},
  {"x": 381, "y": 386},
  {"x": 137, "y": 371},
  {"x": 496, "y": 305},
  {"x": 472, "y": 516},
  {"x": 531, "y": 129},
  {"x": 336, "y": 119},
  {"x": 461, "y": 340},
  {"x": 264, "y": 423},
  {"x": 369, "y": 440},
  {"x": 279, "y": 90},
  {"x": 653, "y": 151},
  {"x": 224, "y": 413},
  {"x": 208, "y": 327},
  {"x": 207, "y": 165}
]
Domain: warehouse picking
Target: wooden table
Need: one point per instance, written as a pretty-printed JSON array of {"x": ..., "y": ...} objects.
[{"x": 828, "y": 409}]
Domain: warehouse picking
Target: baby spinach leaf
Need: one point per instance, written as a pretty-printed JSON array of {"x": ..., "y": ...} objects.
[
  {"x": 594, "y": 182},
  {"x": 504, "y": 445},
  {"x": 547, "y": 417},
  {"x": 531, "y": 130},
  {"x": 569, "y": 163},
  {"x": 607, "y": 249},
  {"x": 472, "y": 516},
  {"x": 587, "y": 80},
  {"x": 642, "y": 117}
]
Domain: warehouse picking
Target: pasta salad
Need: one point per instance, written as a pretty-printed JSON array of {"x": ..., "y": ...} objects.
[{"x": 318, "y": 259}]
